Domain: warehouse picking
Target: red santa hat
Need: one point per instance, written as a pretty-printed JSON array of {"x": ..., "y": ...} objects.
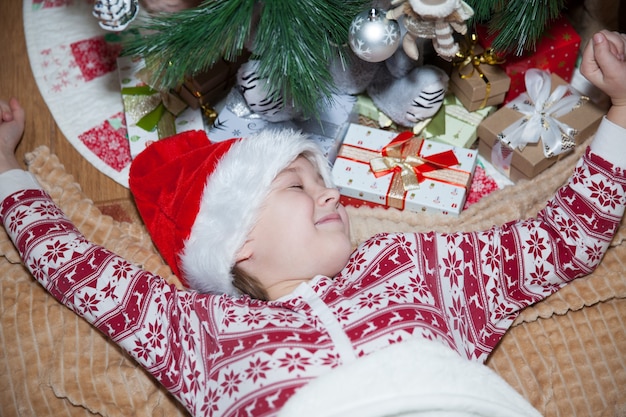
[{"x": 199, "y": 200}]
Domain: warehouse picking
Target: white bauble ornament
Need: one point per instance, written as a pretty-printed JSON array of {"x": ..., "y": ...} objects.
[{"x": 373, "y": 37}]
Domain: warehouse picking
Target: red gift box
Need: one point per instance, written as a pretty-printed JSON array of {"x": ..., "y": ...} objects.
[{"x": 556, "y": 52}]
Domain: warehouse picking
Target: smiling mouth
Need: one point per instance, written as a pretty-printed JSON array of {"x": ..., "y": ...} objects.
[{"x": 334, "y": 217}]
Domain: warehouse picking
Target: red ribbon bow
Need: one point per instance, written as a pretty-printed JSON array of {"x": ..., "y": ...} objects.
[{"x": 401, "y": 156}]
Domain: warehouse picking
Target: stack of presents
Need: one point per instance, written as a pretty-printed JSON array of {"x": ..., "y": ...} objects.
[{"x": 512, "y": 117}]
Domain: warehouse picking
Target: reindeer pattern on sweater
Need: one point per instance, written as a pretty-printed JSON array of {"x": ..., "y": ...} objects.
[{"x": 228, "y": 356}]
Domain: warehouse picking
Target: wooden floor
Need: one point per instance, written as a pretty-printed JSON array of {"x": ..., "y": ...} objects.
[{"x": 16, "y": 80}]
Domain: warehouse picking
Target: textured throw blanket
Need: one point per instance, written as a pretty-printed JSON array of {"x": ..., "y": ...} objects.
[{"x": 565, "y": 355}]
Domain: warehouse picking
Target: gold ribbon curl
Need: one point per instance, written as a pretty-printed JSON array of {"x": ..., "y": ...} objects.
[{"x": 467, "y": 57}]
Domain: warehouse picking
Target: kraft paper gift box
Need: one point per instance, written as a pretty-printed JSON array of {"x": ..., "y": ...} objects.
[
  {"x": 151, "y": 115},
  {"x": 454, "y": 124},
  {"x": 207, "y": 88},
  {"x": 526, "y": 161},
  {"x": 478, "y": 80},
  {"x": 443, "y": 177}
]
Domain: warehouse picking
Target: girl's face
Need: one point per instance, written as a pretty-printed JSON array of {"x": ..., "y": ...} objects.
[{"x": 302, "y": 231}]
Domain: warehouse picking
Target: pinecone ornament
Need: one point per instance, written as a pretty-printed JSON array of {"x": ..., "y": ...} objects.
[{"x": 115, "y": 15}]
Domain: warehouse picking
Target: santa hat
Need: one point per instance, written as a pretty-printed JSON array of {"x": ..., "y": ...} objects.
[{"x": 199, "y": 200}]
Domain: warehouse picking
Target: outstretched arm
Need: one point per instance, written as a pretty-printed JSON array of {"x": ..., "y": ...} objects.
[{"x": 136, "y": 309}]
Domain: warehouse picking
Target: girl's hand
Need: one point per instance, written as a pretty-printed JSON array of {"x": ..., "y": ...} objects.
[
  {"x": 11, "y": 130},
  {"x": 604, "y": 65}
]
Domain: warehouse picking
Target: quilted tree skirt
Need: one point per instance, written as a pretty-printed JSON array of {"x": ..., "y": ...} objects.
[{"x": 74, "y": 63}]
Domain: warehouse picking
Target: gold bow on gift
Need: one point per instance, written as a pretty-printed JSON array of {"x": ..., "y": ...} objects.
[
  {"x": 153, "y": 109},
  {"x": 156, "y": 110},
  {"x": 467, "y": 57},
  {"x": 401, "y": 159}
]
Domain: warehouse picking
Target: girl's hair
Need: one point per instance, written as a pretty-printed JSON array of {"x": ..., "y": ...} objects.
[{"x": 247, "y": 284}]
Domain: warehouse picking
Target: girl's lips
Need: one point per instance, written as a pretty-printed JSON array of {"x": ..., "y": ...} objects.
[{"x": 329, "y": 218}]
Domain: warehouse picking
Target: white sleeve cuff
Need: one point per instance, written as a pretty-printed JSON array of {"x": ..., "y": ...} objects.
[
  {"x": 16, "y": 180},
  {"x": 609, "y": 143}
]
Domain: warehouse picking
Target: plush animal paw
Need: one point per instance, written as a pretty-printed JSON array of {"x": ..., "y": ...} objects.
[
  {"x": 410, "y": 99},
  {"x": 268, "y": 103}
]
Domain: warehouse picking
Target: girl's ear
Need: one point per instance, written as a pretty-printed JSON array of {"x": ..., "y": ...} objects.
[{"x": 244, "y": 253}]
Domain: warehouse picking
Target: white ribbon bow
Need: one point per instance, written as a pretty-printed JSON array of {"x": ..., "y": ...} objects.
[{"x": 540, "y": 110}]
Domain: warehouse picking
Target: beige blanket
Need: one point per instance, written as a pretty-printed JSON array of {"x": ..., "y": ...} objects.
[{"x": 566, "y": 355}]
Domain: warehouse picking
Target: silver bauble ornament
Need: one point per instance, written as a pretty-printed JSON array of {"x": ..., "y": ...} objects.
[{"x": 373, "y": 37}]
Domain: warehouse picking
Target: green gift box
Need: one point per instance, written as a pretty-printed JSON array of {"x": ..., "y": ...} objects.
[
  {"x": 454, "y": 124},
  {"x": 365, "y": 107}
]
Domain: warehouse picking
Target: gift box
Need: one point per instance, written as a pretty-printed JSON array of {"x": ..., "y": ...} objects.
[
  {"x": 376, "y": 167},
  {"x": 556, "y": 51},
  {"x": 151, "y": 115},
  {"x": 454, "y": 124},
  {"x": 477, "y": 78},
  {"x": 521, "y": 141},
  {"x": 365, "y": 107},
  {"x": 208, "y": 87},
  {"x": 236, "y": 119}
]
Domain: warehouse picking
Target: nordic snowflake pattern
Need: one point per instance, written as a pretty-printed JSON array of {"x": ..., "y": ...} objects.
[{"x": 224, "y": 356}]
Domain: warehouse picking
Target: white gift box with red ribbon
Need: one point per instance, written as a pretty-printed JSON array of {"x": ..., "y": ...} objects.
[{"x": 376, "y": 167}]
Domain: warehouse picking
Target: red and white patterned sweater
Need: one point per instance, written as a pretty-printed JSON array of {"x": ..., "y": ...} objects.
[{"x": 225, "y": 356}]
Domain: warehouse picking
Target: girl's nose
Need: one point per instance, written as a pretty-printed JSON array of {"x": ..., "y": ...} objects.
[{"x": 329, "y": 195}]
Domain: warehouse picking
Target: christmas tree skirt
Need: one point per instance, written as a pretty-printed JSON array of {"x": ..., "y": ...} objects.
[{"x": 74, "y": 64}]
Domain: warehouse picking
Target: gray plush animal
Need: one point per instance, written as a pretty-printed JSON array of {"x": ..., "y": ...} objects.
[
  {"x": 404, "y": 90},
  {"x": 402, "y": 87},
  {"x": 412, "y": 98}
]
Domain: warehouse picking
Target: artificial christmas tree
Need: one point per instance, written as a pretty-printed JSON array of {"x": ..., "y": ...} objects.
[{"x": 295, "y": 41}]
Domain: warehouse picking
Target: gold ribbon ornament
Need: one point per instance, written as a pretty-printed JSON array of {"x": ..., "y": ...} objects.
[{"x": 467, "y": 58}]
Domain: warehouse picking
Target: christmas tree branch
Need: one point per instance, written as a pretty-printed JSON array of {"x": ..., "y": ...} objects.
[
  {"x": 517, "y": 24},
  {"x": 189, "y": 41},
  {"x": 293, "y": 40}
]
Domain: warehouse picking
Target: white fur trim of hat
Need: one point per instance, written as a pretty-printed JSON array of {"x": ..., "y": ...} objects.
[{"x": 231, "y": 200}]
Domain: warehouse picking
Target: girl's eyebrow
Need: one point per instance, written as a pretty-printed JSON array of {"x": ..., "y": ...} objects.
[
  {"x": 298, "y": 170},
  {"x": 289, "y": 170}
]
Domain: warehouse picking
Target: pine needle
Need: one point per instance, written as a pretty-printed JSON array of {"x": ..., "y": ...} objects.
[
  {"x": 294, "y": 41},
  {"x": 517, "y": 24}
]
